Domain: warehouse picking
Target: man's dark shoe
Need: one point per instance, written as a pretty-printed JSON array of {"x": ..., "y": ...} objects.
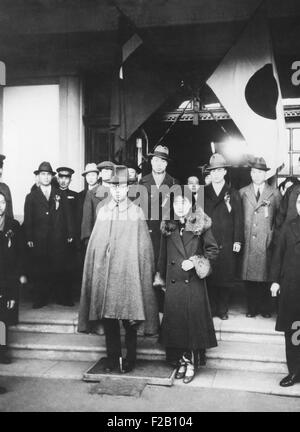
[
  {"x": 250, "y": 315},
  {"x": 266, "y": 315},
  {"x": 3, "y": 390},
  {"x": 224, "y": 316},
  {"x": 109, "y": 366},
  {"x": 127, "y": 366},
  {"x": 289, "y": 380}
]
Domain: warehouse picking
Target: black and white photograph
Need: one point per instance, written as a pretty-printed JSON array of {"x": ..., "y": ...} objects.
[{"x": 149, "y": 208}]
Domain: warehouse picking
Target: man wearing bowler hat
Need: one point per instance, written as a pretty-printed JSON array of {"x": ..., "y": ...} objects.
[
  {"x": 94, "y": 197},
  {"x": 157, "y": 200},
  {"x": 5, "y": 190},
  {"x": 133, "y": 171},
  {"x": 118, "y": 275},
  {"x": 223, "y": 205},
  {"x": 260, "y": 205},
  {"x": 48, "y": 231}
]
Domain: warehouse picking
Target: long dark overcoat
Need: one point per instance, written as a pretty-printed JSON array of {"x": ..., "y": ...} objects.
[
  {"x": 11, "y": 268},
  {"x": 285, "y": 270},
  {"x": 118, "y": 269},
  {"x": 259, "y": 223},
  {"x": 92, "y": 198},
  {"x": 227, "y": 228},
  {"x": 187, "y": 321},
  {"x": 159, "y": 202},
  {"x": 48, "y": 224}
]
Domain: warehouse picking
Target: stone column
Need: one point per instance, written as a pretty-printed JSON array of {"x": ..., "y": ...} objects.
[{"x": 71, "y": 139}]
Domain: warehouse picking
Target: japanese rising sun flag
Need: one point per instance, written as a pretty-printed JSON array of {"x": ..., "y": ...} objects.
[{"x": 247, "y": 85}]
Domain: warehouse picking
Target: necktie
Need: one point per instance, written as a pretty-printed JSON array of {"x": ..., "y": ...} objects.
[{"x": 257, "y": 195}]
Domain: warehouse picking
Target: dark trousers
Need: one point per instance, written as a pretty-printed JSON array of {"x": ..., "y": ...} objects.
[
  {"x": 259, "y": 298},
  {"x": 219, "y": 299},
  {"x": 292, "y": 353},
  {"x": 113, "y": 340}
]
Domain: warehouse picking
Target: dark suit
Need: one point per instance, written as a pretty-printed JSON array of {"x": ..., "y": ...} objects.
[
  {"x": 71, "y": 275},
  {"x": 285, "y": 270},
  {"x": 48, "y": 224},
  {"x": 227, "y": 228},
  {"x": 6, "y": 191},
  {"x": 156, "y": 200}
]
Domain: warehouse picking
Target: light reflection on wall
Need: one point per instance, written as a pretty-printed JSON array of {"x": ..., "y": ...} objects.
[{"x": 30, "y": 136}]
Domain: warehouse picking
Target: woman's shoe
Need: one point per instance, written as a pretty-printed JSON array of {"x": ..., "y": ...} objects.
[
  {"x": 189, "y": 374},
  {"x": 181, "y": 369}
]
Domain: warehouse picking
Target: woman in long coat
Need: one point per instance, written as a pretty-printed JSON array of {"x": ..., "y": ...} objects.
[
  {"x": 285, "y": 274},
  {"x": 11, "y": 254},
  {"x": 187, "y": 247}
]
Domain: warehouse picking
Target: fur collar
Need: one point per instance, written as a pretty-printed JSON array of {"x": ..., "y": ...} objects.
[{"x": 197, "y": 223}]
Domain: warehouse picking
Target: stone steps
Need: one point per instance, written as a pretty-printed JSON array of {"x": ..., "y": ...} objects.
[
  {"x": 51, "y": 334},
  {"x": 237, "y": 355}
]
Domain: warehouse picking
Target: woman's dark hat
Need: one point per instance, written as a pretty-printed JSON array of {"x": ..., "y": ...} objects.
[
  {"x": 130, "y": 163},
  {"x": 216, "y": 161},
  {"x": 120, "y": 175},
  {"x": 45, "y": 166},
  {"x": 161, "y": 152},
  {"x": 259, "y": 163}
]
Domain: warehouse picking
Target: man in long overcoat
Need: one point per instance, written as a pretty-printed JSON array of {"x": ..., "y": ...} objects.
[
  {"x": 118, "y": 275},
  {"x": 260, "y": 206},
  {"x": 48, "y": 231},
  {"x": 285, "y": 275},
  {"x": 157, "y": 207},
  {"x": 93, "y": 197},
  {"x": 223, "y": 205}
]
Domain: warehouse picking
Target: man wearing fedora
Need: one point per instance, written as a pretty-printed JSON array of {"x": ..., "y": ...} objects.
[
  {"x": 118, "y": 275},
  {"x": 222, "y": 204},
  {"x": 90, "y": 174},
  {"x": 154, "y": 183},
  {"x": 5, "y": 189},
  {"x": 48, "y": 231},
  {"x": 93, "y": 197},
  {"x": 260, "y": 205},
  {"x": 70, "y": 275}
]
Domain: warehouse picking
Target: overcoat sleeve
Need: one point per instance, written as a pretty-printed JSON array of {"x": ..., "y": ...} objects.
[
  {"x": 28, "y": 218},
  {"x": 162, "y": 258},
  {"x": 238, "y": 218},
  {"x": 278, "y": 255},
  {"x": 87, "y": 217},
  {"x": 210, "y": 247}
]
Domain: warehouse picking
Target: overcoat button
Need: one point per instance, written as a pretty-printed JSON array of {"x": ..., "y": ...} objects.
[
  {"x": 172, "y": 262},
  {"x": 173, "y": 281},
  {"x": 186, "y": 281},
  {"x": 47, "y": 213}
]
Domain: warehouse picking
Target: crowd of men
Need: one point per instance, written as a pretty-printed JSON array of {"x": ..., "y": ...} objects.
[{"x": 58, "y": 225}]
